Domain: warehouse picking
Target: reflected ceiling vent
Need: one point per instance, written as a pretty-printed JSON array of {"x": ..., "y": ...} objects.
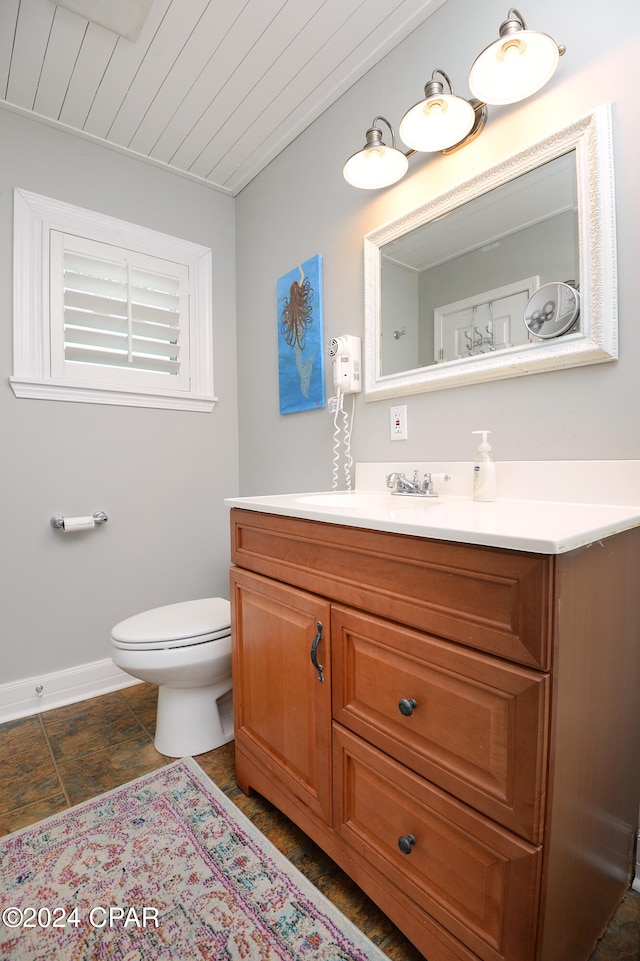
[{"x": 124, "y": 17}]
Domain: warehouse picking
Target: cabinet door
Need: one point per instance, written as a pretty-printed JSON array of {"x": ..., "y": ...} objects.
[
  {"x": 470, "y": 876},
  {"x": 282, "y": 707}
]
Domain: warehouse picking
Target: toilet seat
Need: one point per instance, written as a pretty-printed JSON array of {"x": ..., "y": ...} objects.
[{"x": 175, "y": 625}]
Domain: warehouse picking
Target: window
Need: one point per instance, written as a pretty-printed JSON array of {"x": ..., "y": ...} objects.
[{"x": 108, "y": 312}]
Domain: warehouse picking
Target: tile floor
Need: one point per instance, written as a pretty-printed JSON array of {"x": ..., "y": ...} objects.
[{"x": 62, "y": 757}]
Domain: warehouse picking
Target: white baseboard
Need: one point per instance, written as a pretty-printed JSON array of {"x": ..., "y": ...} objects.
[{"x": 32, "y": 695}]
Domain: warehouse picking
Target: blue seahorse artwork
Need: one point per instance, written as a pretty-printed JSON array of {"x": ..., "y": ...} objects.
[{"x": 301, "y": 338}]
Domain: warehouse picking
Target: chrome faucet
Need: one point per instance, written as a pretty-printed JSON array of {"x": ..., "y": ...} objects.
[{"x": 400, "y": 484}]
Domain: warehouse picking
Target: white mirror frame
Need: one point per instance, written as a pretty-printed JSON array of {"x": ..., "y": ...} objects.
[{"x": 597, "y": 340}]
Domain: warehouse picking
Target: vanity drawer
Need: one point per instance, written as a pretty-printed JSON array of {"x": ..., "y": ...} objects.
[
  {"x": 489, "y": 599},
  {"x": 472, "y": 877},
  {"x": 476, "y": 726}
]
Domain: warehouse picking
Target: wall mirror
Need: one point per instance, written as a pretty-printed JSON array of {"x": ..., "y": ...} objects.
[{"x": 446, "y": 283}]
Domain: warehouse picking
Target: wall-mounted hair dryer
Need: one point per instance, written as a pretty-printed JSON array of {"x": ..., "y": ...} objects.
[{"x": 346, "y": 354}]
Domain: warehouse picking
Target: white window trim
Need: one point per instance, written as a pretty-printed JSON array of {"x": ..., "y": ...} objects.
[{"x": 34, "y": 217}]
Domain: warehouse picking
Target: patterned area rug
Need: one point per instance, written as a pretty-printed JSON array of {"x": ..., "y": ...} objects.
[{"x": 165, "y": 868}]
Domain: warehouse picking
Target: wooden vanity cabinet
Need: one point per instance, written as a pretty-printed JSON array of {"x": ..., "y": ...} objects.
[{"x": 462, "y": 745}]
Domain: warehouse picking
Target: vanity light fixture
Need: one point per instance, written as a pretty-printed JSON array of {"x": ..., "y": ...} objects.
[{"x": 512, "y": 68}]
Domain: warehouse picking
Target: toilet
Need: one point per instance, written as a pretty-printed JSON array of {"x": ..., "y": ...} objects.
[{"x": 185, "y": 649}]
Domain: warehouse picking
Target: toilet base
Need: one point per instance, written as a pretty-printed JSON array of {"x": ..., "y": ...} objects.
[{"x": 193, "y": 720}]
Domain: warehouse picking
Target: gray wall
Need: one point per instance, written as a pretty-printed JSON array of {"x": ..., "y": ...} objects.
[
  {"x": 400, "y": 308},
  {"x": 300, "y": 205},
  {"x": 160, "y": 475}
]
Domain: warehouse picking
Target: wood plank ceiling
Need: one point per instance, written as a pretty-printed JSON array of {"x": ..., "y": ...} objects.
[{"x": 214, "y": 89}]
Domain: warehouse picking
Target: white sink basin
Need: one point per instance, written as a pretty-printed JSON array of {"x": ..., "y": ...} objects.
[{"x": 365, "y": 500}]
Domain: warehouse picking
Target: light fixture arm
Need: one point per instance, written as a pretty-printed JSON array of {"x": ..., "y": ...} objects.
[
  {"x": 374, "y": 134},
  {"x": 433, "y": 87},
  {"x": 513, "y": 17}
]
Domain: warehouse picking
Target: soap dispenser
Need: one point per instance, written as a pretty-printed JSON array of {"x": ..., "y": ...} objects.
[{"x": 484, "y": 471}]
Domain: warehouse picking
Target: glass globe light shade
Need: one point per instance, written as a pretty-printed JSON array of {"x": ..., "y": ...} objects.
[
  {"x": 514, "y": 67},
  {"x": 376, "y": 165},
  {"x": 436, "y": 123}
]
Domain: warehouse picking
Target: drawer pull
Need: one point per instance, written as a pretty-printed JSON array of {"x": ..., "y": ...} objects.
[
  {"x": 314, "y": 652},
  {"x": 405, "y": 844},
  {"x": 407, "y": 706}
]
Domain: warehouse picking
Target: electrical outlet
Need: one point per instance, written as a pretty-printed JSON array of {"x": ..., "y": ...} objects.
[{"x": 398, "y": 422}]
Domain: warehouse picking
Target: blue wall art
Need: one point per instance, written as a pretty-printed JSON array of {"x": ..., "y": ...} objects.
[{"x": 301, "y": 338}]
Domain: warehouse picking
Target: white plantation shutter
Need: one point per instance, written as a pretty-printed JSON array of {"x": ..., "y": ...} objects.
[
  {"x": 122, "y": 313},
  {"x": 107, "y": 311}
]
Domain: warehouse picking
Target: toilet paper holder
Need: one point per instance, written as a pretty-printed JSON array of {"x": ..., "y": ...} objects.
[{"x": 57, "y": 520}]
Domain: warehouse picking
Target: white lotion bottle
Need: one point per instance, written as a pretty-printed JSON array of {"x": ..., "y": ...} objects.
[{"x": 484, "y": 471}]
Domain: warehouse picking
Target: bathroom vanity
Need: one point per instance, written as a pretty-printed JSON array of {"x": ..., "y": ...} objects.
[{"x": 452, "y": 717}]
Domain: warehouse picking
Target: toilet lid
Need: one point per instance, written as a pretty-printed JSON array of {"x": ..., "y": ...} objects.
[{"x": 176, "y": 625}]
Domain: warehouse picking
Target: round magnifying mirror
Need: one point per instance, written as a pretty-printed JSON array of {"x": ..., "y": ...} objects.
[{"x": 552, "y": 310}]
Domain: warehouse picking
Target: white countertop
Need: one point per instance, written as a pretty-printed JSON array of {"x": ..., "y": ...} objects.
[{"x": 528, "y": 524}]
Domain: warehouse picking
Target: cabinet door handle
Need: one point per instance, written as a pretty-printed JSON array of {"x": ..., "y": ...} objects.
[
  {"x": 407, "y": 706},
  {"x": 314, "y": 652},
  {"x": 405, "y": 844}
]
